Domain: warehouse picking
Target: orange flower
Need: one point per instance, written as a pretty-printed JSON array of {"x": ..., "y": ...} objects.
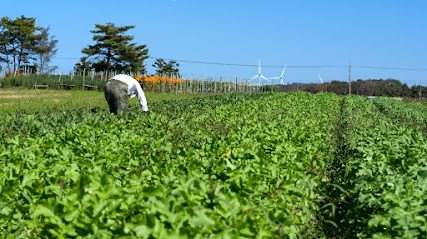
[
  {"x": 15, "y": 73},
  {"x": 152, "y": 81}
]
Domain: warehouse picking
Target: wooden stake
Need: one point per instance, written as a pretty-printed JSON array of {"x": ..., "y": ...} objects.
[{"x": 349, "y": 79}]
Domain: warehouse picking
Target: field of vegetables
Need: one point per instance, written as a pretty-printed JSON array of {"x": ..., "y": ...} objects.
[{"x": 268, "y": 165}]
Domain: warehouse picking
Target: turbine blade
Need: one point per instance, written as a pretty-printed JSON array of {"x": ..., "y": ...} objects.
[
  {"x": 259, "y": 66},
  {"x": 272, "y": 78},
  {"x": 283, "y": 72},
  {"x": 320, "y": 78},
  {"x": 264, "y": 78},
  {"x": 254, "y": 77}
]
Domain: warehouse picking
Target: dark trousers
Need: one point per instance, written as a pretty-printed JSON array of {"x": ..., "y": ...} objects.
[{"x": 116, "y": 94}]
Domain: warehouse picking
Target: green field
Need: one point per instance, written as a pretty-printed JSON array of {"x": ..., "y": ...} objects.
[
  {"x": 271, "y": 165},
  {"x": 30, "y": 101}
]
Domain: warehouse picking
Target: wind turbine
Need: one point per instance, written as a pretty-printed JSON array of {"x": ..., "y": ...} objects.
[
  {"x": 280, "y": 77},
  {"x": 260, "y": 76},
  {"x": 320, "y": 78}
]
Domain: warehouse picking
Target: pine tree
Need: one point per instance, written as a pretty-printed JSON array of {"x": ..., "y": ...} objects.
[
  {"x": 114, "y": 51},
  {"x": 45, "y": 48},
  {"x": 166, "y": 68},
  {"x": 17, "y": 38}
]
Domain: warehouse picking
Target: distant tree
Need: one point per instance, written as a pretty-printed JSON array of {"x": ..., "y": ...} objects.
[
  {"x": 5, "y": 50},
  {"x": 338, "y": 87},
  {"x": 84, "y": 64},
  {"x": 406, "y": 90},
  {"x": 370, "y": 87},
  {"x": 114, "y": 51},
  {"x": 417, "y": 91},
  {"x": 166, "y": 68},
  {"x": 45, "y": 48},
  {"x": 310, "y": 88},
  {"x": 16, "y": 40}
]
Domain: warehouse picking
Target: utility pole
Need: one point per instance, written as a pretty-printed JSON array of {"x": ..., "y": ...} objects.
[
  {"x": 349, "y": 79},
  {"x": 419, "y": 94},
  {"x": 83, "y": 86},
  {"x": 272, "y": 86}
]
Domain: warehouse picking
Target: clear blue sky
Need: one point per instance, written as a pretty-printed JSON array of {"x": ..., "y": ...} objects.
[{"x": 296, "y": 33}]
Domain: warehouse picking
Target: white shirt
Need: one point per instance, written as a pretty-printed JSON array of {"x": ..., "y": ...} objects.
[{"x": 134, "y": 89}]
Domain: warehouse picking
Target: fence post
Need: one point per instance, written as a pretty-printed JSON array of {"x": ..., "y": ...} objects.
[
  {"x": 93, "y": 74},
  {"x": 83, "y": 86},
  {"x": 203, "y": 86},
  {"x": 191, "y": 84}
]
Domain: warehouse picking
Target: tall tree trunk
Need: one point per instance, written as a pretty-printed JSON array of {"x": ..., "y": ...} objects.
[
  {"x": 41, "y": 63},
  {"x": 8, "y": 61},
  {"x": 20, "y": 53}
]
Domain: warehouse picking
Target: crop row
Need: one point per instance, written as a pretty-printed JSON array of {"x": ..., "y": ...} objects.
[
  {"x": 383, "y": 174},
  {"x": 226, "y": 166},
  {"x": 412, "y": 113},
  {"x": 260, "y": 165}
]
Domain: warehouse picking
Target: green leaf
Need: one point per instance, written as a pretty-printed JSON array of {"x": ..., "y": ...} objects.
[{"x": 201, "y": 220}]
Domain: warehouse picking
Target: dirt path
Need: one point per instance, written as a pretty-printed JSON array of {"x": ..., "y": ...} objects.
[
  {"x": 31, "y": 96},
  {"x": 6, "y": 104}
]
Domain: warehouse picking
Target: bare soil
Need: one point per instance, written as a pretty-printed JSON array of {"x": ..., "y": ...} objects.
[
  {"x": 52, "y": 100},
  {"x": 6, "y": 104},
  {"x": 30, "y": 96}
]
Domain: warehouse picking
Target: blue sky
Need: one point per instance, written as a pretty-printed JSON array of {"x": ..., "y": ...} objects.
[{"x": 293, "y": 33}]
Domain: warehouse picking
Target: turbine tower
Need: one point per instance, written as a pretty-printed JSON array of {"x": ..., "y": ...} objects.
[{"x": 320, "y": 78}]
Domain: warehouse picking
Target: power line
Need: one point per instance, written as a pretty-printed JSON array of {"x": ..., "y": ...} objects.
[
  {"x": 392, "y": 68},
  {"x": 243, "y": 65},
  {"x": 294, "y": 66},
  {"x": 66, "y": 58},
  {"x": 273, "y": 66}
]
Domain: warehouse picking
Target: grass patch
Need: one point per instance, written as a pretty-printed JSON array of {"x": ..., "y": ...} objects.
[{"x": 13, "y": 100}]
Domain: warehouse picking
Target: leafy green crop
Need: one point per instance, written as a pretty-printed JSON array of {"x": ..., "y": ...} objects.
[
  {"x": 225, "y": 166},
  {"x": 232, "y": 166},
  {"x": 384, "y": 175},
  {"x": 413, "y": 113}
]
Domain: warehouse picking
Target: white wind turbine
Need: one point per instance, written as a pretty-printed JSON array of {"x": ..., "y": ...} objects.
[
  {"x": 320, "y": 78},
  {"x": 280, "y": 77},
  {"x": 260, "y": 76}
]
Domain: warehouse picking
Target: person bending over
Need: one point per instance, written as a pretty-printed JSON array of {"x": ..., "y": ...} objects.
[{"x": 119, "y": 88}]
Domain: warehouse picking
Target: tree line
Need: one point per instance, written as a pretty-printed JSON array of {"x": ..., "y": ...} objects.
[
  {"x": 23, "y": 45},
  {"x": 26, "y": 47},
  {"x": 369, "y": 87}
]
